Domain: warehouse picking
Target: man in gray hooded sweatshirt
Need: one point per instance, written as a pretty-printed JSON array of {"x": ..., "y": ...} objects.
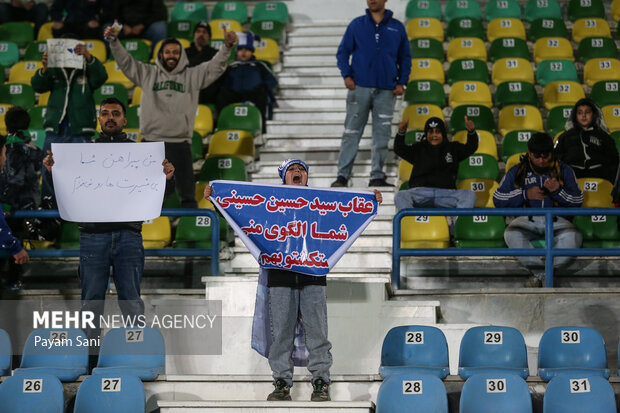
[{"x": 170, "y": 91}]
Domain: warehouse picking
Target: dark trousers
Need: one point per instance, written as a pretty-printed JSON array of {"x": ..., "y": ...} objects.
[{"x": 179, "y": 154}]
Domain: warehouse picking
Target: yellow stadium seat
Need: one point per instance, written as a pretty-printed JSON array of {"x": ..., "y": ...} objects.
[
  {"x": 22, "y": 72},
  {"x": 97, "y": 49},
  {"x": 615, "y": 10},
  {"x": 562, "y": 92},
  {"x": 599, "y": 69},
  {"x": 505, "y": 27},
  {"x": 519, "y": 117},
  {"x": 486, "y": 141},
  {"x": 199, "y": 193},
  {"x": 483, "y": 188},
  {"x": 204, "y": 203},
  {"x": 424, "y": 28},
  {"x": 468, "y": 92},
  {"x": 466, "y": 48},
  {"x": 611, "y": 115},
  {"x": 133, "y": 134},
  {"x": 217, "y": 31},
  {"x": 184, "y": 42},
  {"x": 590, "y": 27},
  {"x": 596, "y": 192},
  {"x": 513, "y": 160},
  {"x": 404, "y": 171},
  {"x": 553, "y": 48},
  {"x": 116, "y": 75},
  {"x": 137, "y": 96},
  {"x": 426, "y": 69},
  {"x": 424, "y": 232},
  {"x": 204, "y": 120},
  {"x": 512, "y": 69},
  {"x": 43, "y": 99},
  {"x": 4, "y": 107},
  {"x": 267, "y": 50},
  {"x": 232, "y": 142},
  {"x": 156, "y": 233},
  {"x": 45, "y": 32},
  {"x": 418, "y": 114}
]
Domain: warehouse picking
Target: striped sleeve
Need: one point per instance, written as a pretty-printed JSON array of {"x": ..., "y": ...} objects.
[{"x": 506, "y": 195}]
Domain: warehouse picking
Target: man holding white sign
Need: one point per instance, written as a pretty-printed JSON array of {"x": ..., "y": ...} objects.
[{"x": 111, "y": 243}]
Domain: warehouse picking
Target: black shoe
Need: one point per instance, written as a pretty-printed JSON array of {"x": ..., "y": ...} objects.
[
  {"x": 321, "y": 391},
  {"x": 282, "y": 392},
  {"x": 340, "y": 182},
  {"x": 379, "y": 182}
]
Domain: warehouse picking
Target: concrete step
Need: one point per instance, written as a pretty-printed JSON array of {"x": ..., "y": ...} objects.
[
  {"x": 310, "y": 80},
  {"x": 310, "y": 103},
  {"x": 329, "y": 40},
  {"x": 307, "y": 115},
  {"x": 313, "y": 133},
  {"x": 309, "y": 60},
  {"x": 305, "y": 70},
  {"x": 260, "y": 407},
  {"x": 313, "y": 92},
  {"x": 312, "y": 51},
  {"x": 319, "y": 29}
]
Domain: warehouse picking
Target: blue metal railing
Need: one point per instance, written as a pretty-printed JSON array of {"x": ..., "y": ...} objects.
[
  {"x": 549, "y": 252},
  {"x": 150, "y": 252}
]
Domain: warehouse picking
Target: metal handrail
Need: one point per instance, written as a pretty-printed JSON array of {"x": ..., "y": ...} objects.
[
  {"x": 549, "y": 252},
  {"x": 214, "y": 252}
]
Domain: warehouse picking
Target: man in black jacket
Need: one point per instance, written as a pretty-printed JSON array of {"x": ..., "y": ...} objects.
[
  {"x": 435, "y": 165},
  {"x": 200, "y": 51}
]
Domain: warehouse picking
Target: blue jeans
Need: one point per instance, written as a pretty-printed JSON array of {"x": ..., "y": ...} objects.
[
  {"x": 284, "y": 305},
  {"x": 522, "y": 230},
  {"x": 123, "y": 251},
  {"x": 359, "y": 102},
  {"x": 425, "y": 197}
]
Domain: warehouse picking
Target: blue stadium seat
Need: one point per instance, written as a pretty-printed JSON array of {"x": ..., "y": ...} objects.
[
  {"x": 414, "y": 349},
  {"x": 491, "y": 349},
  {"x": 412, "y": 393},
  {"x": 575, "y": 394},
  {"x": 40, "y": 393},
  {"x": 6, "y": 353},
  {"x": 495, "y": 392},
  {"x": 578, "y": 351},
  {"x": 66, "y": 359},
  {"x": 118, "y": 393},
  {"x": 132, "y": 351}
]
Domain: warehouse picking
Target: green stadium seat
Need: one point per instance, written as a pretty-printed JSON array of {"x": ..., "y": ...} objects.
[
  {"x": 2, "y": 75},
  {"x": 556, "y": 119},
  {"x": 505, "y": 27},
  {"x": 581, "y": 9},
  {"x": 482, "y": 117},
  {"x": 138, "y": 48},
  {"x": 512, "y": 69},
  {"x": 478, "y": 165},
  {"x": 20, "y": 33},
  {"x": 466, "y": 48},
  {"x": 230, "y": 10},
  {"x": 413, "y": 136},
  {"x": 519, "y": 117},
  {"x": 456, "y": 9},
  {"x": 197, "y": 146},
  {"x": 425, "y": 27},
  {"x": 425, "y": 91},
  {"x": 9, "y": 53},
  {"x": 616, "y": 137},
  {"x": 69, "y": 238},
  {"x": 500, "y": 9},
  {"x": 243, "y": 117},
  {"x": 423, "y": 8},
  {"x": 468, "y": 92},
  {"x": 606, "y": 93},
  {"x": 181, "y": 29},
  {"x": 479, "y": 232},
  {"x": 133, "y": 117},
  {"x": 195, "y": 232},
  {"x": 190, "y": 10},
  {"x": 553, "y": 48},
  {"x": 562, "y": 92},
  {"x": 108, "y": 90},
  {"x": 426, "y": 49},
  {"x": 540, "y": 28},
  {"x": 35, "y": 50},
  {"x": 515, "y": 142},
  {"x": 468, "y": 69},
  {"x": 17, "y": 94},
  {"x": 542, "y": 9},
  {"x": 37, "y": 136},
  {"x": 552, "y": 70},
  {"x": 598, "y": 231},
  {"x": 268, "y": 29},
  {"x": 172, "y": 201},
  {"x": 271, "y": 11},
  {"x": 465, "y": 27},
  {"x": 231, "y": 168},
  {"x": 37, "y": 116},
  {"x": 515, "y": 93},
  {"x": 597, "y": 47},
  {"x": 508, "y": 47}
]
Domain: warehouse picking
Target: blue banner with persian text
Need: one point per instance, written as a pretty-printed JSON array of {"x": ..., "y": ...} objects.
[{"x": 296, "y": 228}]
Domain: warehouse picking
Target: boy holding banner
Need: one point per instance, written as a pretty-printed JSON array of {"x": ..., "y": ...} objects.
[{"x": 292, "y": 296}]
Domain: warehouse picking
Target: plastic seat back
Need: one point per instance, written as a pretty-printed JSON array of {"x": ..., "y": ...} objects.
[
  {"x": 482, "y": 116},
  {"x": 571, "y": 350},
  {"x": 596, "y": 192},
  {"x": 230, "y": 10},
  {"x": 223, "y": 167},
  {"x": 515, "y": 93},
  {"x": 501, "y": 9},
  {"x": 505, "y": 27},
  {"x": 414, "y": 349},
  {"x": 4, "y": 107},
  {"x": 606, "y": 93},
  {"x": 426, "y": 48},
  {"x": 22, "y": 71},
  {"x": 194, "y": 232},
  {"x": 557, "y": 117},
  {"x": 498, "y": 392},
  {"x": 466, "y": 48},
  {"x": 478, "y": 165},
  {"x": 486, "y": 142},
  {"x": 598, "y": 231},
  {"x": 232, "y": 143},
  {"x": 9, "y": 53},
  {"x": 518, "y": 117},
  {"x": 156, "y": 232},
  {"x": 425, "y": 91},
  {"x": 45, "y": 32},
  {"x": 590, "y": 27},
  {"x": 512, "y": 69},
  {"x": 119, "y": 393},
  {"x": 573, "y": 394},
  {"x": 483, "y": 188},
  {"x": 462, "y": 8},
  {"x": 203, "y": 123},
  {"x": 17, "y": 94},
  {"x": 418, "y": 114},
  {"x": 469, "y": 92},
  {"x": 268, "y": 30},
  {"x": 21, "y": 33},
  {"x": 425, "y": 27},
  {"x": 271, "y": 10},
  {"x": 542, "y": 9},
  {"x": 515, "y": 142},
  {"x": 597, "y": 47},
  {"x": 267, "y": 50},
  {"x": 217, "y": 27},
  {"x": 611, "y": 114},
  {"x": 465, "y": 27},
  {"x": 481, "y": 231},
  {"x": 424, "y": 232},
  {"x": 32, "y": 393},
  {"x": 37, "y": 114},
  {"x": 240, "y": 117},
  {"x": 508, "y": 47},
  {"x": 108, "y": 90},
  {"x": 489, "y": 349},
  {"x": 423, "y": 8},
  {"x": 598, "y": 69},
  {"x": 138, "y": 48},
  {"x": 426, "y": 69},
  {"x": 562, "y": 93},
  {"x": 181, "y": 29},
  {"x": 547, "y": 27},
  {"x": 410, "y": 392},
  {"x": 551, "y": 70},
  {"x": 468, "y": 69},
  {"x": 116, "y": 75},
  {"x": 97, "y": 49},
  {"x": 581, "y": 9},
  {"x": 615, "y": 10},
  {"x": 190, "y": 10},
  {"x": 553, "y": 48}
]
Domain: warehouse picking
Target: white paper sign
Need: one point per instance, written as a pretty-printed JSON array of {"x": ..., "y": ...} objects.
[
  {"x": 109, "y": 182},
  {"x": 61, "y": 53}
]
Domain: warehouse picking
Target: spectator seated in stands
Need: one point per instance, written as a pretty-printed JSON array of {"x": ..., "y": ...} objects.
[
  {"x": 247, "y": 79},
  {"x": 24, "y": 10},
  {"x": 199, "y": 52},
  {"x": 586, "y": 145},
  {"x": 435, "y": 164},
  {"x": 76, "y": 16},
  {"x": 540, "y": 180},
  {"x": 140, "y": 18}
]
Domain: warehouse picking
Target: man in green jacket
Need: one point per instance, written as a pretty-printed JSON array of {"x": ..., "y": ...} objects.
[{"x": 70, "y": 116}]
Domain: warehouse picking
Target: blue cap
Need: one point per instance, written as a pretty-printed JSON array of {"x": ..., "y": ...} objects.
[
  {"x": 287, "y": 164},
  {"x": 245, "y": 41}
]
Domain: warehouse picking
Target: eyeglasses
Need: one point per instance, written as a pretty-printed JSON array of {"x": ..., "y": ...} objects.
[{"x": 541, "y": 154}]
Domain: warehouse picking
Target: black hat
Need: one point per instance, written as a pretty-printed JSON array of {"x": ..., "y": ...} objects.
[
  {"x": 435, "y": 122},
  {"x": 540, "y": 143},
  {"x": 205, "y": 26}
]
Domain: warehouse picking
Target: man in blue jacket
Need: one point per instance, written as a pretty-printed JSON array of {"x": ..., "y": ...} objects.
[
  {"x": 375, "y": 61},
  {"x": 539, "y": 181}
]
